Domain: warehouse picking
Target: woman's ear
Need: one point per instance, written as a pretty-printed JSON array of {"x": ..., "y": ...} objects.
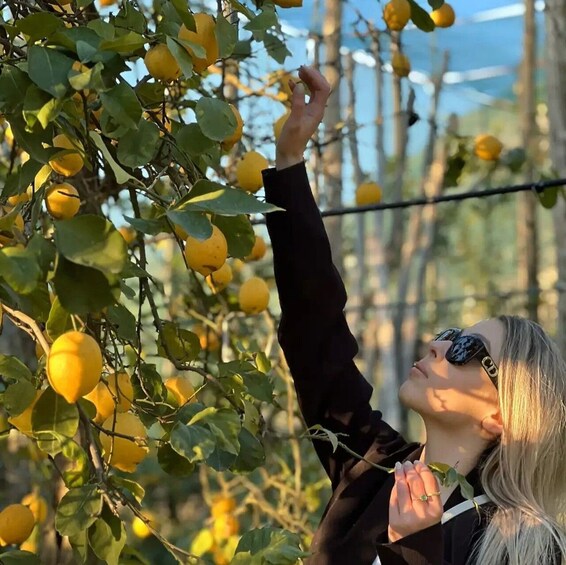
[{"x": 493, "y": 424}]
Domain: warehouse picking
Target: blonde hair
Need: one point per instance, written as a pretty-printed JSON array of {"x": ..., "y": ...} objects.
[{"x": 525, "y": 473}]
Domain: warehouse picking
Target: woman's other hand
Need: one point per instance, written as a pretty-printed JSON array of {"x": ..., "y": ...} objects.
[
  {"x": 304, "y": 118},
  {"x": 407, "y": 513}
]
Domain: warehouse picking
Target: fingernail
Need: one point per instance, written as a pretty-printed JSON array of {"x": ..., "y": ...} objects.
[
  {"x": 407, "y": 464},
  {"x": 398, "y": 466}
]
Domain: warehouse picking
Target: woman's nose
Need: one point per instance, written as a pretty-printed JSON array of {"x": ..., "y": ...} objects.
[{"x": 438, "y": 349}]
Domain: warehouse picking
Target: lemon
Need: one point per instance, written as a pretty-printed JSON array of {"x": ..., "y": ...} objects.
[
  {"x": 38, "y": 506},
  {"x": 279, "y": 123},
  {"x": 487, "y": 147},
  {"x": 222, "y": 505},
  {"x": 231, "y": 140},
  {"x": 248, "y": 171},
  {"x": 180, "y": 232},
  {"x": 207, "y": 256},
  {"x": 181, "y": 388},
  {"x": 121, "y": 387},
  {"x": 140, "y": 528},
  {"x": 119, "y": 452},
  {"x": 254, "y": 296},
  {"x": 62, "y": 201},
  {"x": 161, "y": 64},
  {"x": 225, "y": 526},
  {"x": 16, "y": 524},
  {"x": 74, "y": 365},
  {"x": 42, "y": 177},
  {"x": 258, "y": 250},
  {"x": 401, "y": 64},
  {"x": 444, "y": 16},
  {"x": 396, "y": 14},
  {"x": 205, "y": 37},
  {"x": 208, "y": 339},
  {"x": 220, "y": 279},
  {"x": 23, "y": 421},
  {"x": 128, "y": 233},
  {"x": 102, "y": 398},
  {"x": 107, "y": 2},
  {"x": 368, "y": 193},
  {"x": 71, "y": 163},
  {"x": 19, "y": 198}
]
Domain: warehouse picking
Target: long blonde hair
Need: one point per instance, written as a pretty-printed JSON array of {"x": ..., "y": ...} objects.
[{"x": 525, "y": 474}]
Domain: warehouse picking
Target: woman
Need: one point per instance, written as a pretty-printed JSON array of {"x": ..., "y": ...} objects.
[{"x": 492, "y": 398}]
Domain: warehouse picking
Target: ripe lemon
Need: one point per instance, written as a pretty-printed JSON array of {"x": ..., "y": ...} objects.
[
  {"x": 258, "y": 250},
  {"x": 38, "y": 506},
  {"x": 288, "y": 3},
  {"x": 368, "y": 193},
  {"x": 140, "y": 528},
  {"x": 181, "y": 388},
  {"x": 102, "y": 398},
  {"x": 248, "y": 171},
  {"x": 208, "y": 339},
  {"x": 444, "y": 16},
  {"x": 23, "y": 421},
  {"x": 121, "y": 387},
  {"x": 19, "y": 198},
  {"x": 487, "y": 147},
  {"x": 161, "y": 64},
  {"x": 119, "y": 452},
  {"x": 128, "y": 233},
  {"x": 220, "y": 279},
  {"x": 254, "y": 296},
  {"x": 203, "y": 36},
  {"x": 231, "y": 140},
  {"x": 209, "y": 255},
  {"x": 74, "y": 365},
  {"x": 62, "y": 201},
  {"x": 16, "y": 523},
  {"x": 71, "y": 163},
  {"x": 401, "y": 64},
  {"x": 396, "y": 14},
  {"x": 225, "y": 526},
  {"x": 107, "y": 2},
  {"x": 279, "y": 123},
  {"x": 222, "y": 505}
]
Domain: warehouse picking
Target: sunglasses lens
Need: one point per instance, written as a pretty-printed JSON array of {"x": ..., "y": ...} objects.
[
  {"x": 463, "y": 349},
  {"x": 447, "y": 335}
]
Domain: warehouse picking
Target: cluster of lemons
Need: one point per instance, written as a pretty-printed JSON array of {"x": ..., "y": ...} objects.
[{"x": 17, "y": 521}]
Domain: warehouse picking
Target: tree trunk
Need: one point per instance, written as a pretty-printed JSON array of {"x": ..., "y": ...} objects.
[
  {"x": 556, "y": 89},
  {"x": 332, "y": 151}
]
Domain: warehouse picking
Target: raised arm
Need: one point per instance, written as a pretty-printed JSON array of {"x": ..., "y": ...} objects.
[{"x": 313, "y": 332}]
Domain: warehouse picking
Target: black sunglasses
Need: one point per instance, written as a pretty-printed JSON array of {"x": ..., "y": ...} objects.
[{"x": 464, "y": 348}]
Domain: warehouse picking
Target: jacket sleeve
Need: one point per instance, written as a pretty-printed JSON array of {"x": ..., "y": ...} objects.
[
  {"x": 313, "y": 332},
  {"x": 425, "y": 547}
]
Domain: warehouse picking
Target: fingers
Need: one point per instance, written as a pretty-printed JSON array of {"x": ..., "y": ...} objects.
[
  {"x": 430, "y": 483},
  {"x": 298, "y": 100},
  {"x": 404, "y": 502},
  {"x": 318, "y": 86}
]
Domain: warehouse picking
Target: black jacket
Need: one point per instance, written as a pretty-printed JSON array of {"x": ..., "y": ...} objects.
[{"x": 319, "y": 349}]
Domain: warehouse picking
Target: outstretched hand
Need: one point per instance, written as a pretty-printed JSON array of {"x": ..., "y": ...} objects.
[
  {"x": 304, "y": 118},
  {"x": 407, "y": 512}
]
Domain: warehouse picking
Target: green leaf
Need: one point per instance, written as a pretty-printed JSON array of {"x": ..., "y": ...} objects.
[
  {"x": 220, "y": 460},
  {"x": 466, "y": 488},
  {"x": 131, "y": 486},
  {"x": 239, "y": 7},
  {"x": 18, "y": 557},
  {"x": 123, "y": 322},
  {"x": 225, "y": 424},
  {"x": 262, "y": 362},
  {"x": 48, "y": 69},
  {"x": 79, "y": 544},
  {"x": 195, "y": 224},
  {"x": 194, "y": 443},
  {"x": 251, "y": 455},
  {"x": 131, "y": 152},
  {"x": 262, "y": 22},
  {"x": 40, "y": 107},
  {"x": 125, "y": 44},
  {"x": 81, "y": 289},
  {"x": 39, "y": 25},
  {"x": 149, "y": 226},
  {"x": 18, "y": 397},
  {"x": 18, "y": 181},
  {"x": 76, "y": 472},
  {"x": 181, "y": 56},
  {"x": 268, "y": 545},
  {"x": 13, "y": 86},
  {"x": 92, "y": 241},
  {"x": 215, "y": 118},
  {"x": 243, "y": 373},
  {"x": 226, "y": 36},
  {"x": 184, "y": 15},
  {"x": 150, "y": 94},
  {"x": 191, "y": 140},
  {"x": 52, "y": 413},
  {"x": 19, "y": 269},
  {"x": 173, "y": 463},
  {"x": 421, "y": 18},
  {"x": 123, "y": 105},
  {"x": 182, "y": 345},
  {"x": 208, "y": 196},
  {"x": 130, "y": 18},
  {"x": 77, "y": 510},
  {"x": 107, "y": 537},
  {"x": 239, "y": 234},
  {"x": 150, "y": 385},
  {"x": 276, "y": 48},
  {"x": 59, "y": 320},
  {"x": 12, "y": 368},
  {"x": 436, "y": 4},
  {"x": 122, "y": 177}
]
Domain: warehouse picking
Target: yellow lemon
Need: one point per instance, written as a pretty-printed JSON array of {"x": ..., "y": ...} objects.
[
  {"x": 206, "y": 256},
  {"x": 62, "y": 201},
  {"x": 121, "y": 387},
  {"x": 19, "y": 198},
  {"x": 444, "y": 16},
  {"x": 102, "y": 398},
  {"x": 487, "y": 147},
  {"x": 248, "y": 171},
  {"x": 222, "y": 505},
  {"x": 71, "y": 163},
  {"x": 231, "y": 140},
  {"x": 258, "y": 250},
  {"x": 401, "y": 64},
  {"x": 128, "y": 233},
  {"x": 205, "y": 37},
  {"x": 208, "y": 338},
  {"x": 161, "y": 64},
  {"x": 124, "y": 454},
  {"x": 74, "y": 365},
  {"x": 396, "y": 14},
  {"x": 220, "y": 279},
  {"x": 140, "y": 528},
  {"x": 279, "y": 123},
  {"x": 181, "y": 388},
  {"x": 16, "y": 523},
  {"x": 38, "y": 506},
  {"x": 23, "y": 421},
  {"x": 106, "y": 3},
  {"x": 180, "y": 232},
  {"x": 254, "y": 296},
  {"x": 368, "y": 193},
  {"x": 225, "y": 526}
]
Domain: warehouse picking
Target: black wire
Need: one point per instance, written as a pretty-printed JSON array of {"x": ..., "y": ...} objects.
[{"x": 537, "y": 187}]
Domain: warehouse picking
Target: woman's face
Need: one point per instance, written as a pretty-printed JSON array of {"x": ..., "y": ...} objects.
[{"x": 457, "y": 395}]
